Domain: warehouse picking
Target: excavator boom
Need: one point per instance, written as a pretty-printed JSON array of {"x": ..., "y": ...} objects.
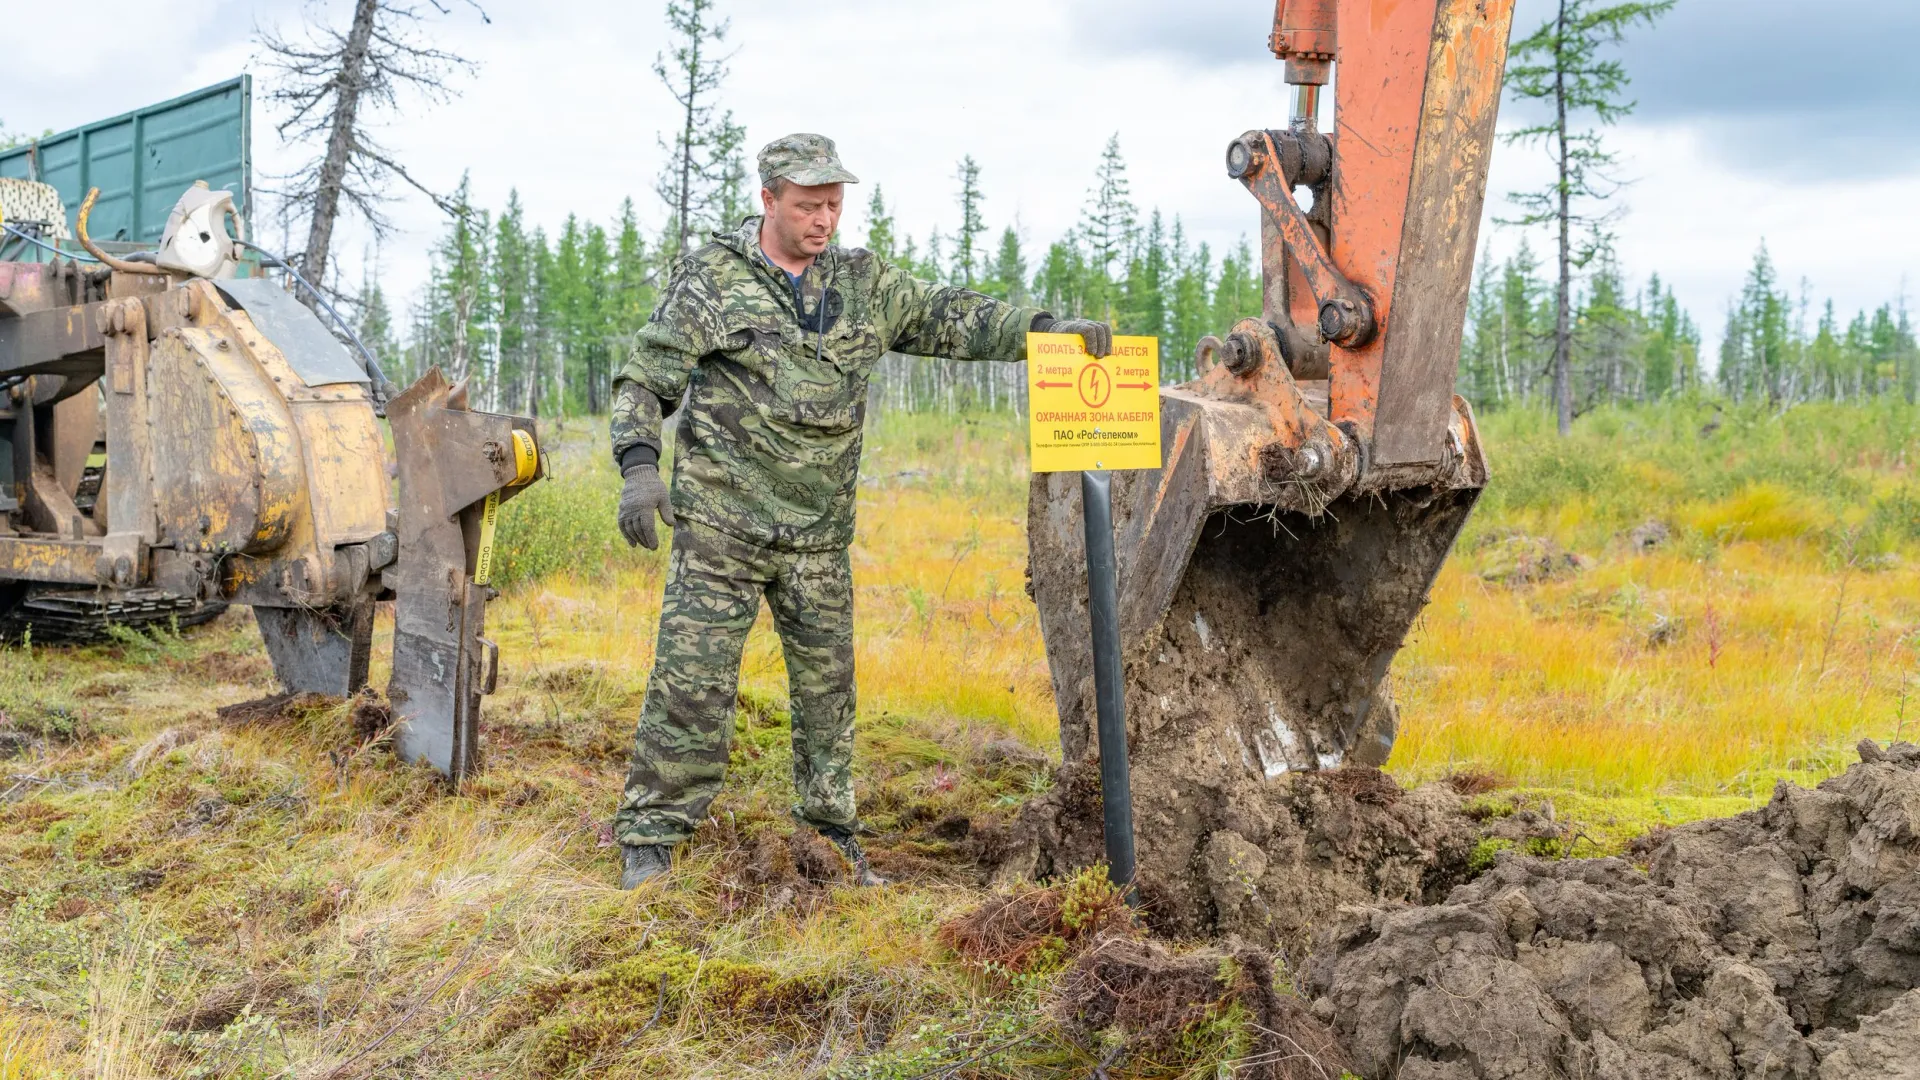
[{"x": 1318, "y": 470}]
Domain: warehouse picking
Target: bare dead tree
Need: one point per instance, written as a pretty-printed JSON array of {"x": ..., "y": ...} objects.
[
  {"x": 704, "y": 177},
  {"x": 331, "y": 84}
]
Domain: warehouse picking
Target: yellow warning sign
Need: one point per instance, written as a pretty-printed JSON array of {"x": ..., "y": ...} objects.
[{"x": 1086, "y": 415}]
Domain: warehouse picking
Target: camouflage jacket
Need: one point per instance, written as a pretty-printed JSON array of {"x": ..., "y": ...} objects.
[{"x": 769, "y": 441}]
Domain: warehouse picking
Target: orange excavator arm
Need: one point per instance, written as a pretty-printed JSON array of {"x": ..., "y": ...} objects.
[
  {"x": 1383, "y": 275},
  {"x": 1319, "y": 469}
]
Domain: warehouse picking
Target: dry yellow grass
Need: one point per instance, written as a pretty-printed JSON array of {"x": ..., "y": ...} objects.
[
  {"x": 292, "y": 911},
  {"x": 1662, "y": 673}
]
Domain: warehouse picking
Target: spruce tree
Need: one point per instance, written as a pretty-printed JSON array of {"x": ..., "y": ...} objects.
[
  {"x": 1759, "y": 334},
  {"x": 595, "y": 314},
  {"x": 1826, "y": 358},
  {"x": 1143, "y": 308},
  {"x": 966, "y": 248},
  {"x": 375, "y": 327},
  {"x": 880, "y": 227},
  {"x": 1006, "y": 276},
  {"x": 1607, "y": 335},
  {"x": 540, "y": 356},
  {"x": 1189, "y": 308},
  {"x": 1238, "y": 295},
  {"x": 1559, "y": 64},
  {"x": 1060, "y": 285},
  {"x": 567, "y": 295},
  {"x": 632, "y": 290},
  {"x": 1482, "y": 377},
  {"x": 513, "y": 286},
  {"x": 465, "y": 299},
  {"x": 1658, "y": 359},
  {"x": 1108, "y": 226},
  {"x": 1526, "y": 336}
]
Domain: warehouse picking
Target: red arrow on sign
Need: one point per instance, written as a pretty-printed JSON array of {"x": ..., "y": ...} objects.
[
  {"x": 1053, "y": 385},
  {"x": 1133, "y": 386}
]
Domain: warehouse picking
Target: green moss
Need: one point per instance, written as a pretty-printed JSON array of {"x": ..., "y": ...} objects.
[
  {"x": 1596, "y": 825},
  {"x": 1493, "y": 804},
  {"x": 581, "y": 1019},
  {"x": 1485, "y": 852}
]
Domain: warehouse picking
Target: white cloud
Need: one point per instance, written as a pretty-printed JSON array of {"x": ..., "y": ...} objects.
[{"x": 566, "y": 109}]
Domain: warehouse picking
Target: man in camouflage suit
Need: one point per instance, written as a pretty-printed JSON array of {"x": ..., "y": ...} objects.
[{"x": 769, "y": 333}]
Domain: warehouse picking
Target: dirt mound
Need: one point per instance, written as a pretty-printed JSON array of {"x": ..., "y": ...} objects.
[
  {"x": 1783, "y": 943},
  {"x": 1264, "y": 861}
]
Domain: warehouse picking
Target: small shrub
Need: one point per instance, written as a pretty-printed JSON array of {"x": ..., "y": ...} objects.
[
  {"x": 1476, "y": 782},
  {"x": 567, "y": 522},
  {"x": 1897, "y": 515}
]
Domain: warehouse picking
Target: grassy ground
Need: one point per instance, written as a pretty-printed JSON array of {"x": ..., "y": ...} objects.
[{"x": 185, "y": 897}]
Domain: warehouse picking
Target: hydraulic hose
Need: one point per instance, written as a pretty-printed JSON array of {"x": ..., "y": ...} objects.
[
  {"x": 80, "y": 227},
  {"x": 43, "y": 245}
]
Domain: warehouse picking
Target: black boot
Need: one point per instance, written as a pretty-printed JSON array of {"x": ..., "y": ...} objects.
[
  {"x": 849, "y": 846},
  {"x": 641, "y": 863}
]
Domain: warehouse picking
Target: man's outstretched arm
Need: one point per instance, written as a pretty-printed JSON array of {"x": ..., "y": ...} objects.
[{"x": 961, "y": 324}]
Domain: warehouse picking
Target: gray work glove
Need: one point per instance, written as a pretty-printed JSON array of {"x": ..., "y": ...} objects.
[
  {"x": 1097, "y": 335},
  {"x": 644, "y": 496}
]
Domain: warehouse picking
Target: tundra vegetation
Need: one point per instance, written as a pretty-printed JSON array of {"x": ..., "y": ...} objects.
[{"x": 1648, "y": 623}]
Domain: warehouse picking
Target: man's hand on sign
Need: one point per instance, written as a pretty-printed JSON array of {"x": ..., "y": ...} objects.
[
  {"x": 644, "y": 496},
  {"x": 1097, "y": 335}
]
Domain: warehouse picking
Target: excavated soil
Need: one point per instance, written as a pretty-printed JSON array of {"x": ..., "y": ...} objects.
[
  {"x": 1783, "y": 943},
  {"x": 1264, "y": 862},
  {"x": 1257, "y": 703}
]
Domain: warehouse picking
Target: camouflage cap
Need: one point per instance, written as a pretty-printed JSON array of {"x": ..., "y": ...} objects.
[{"x": 807, "y": 160}]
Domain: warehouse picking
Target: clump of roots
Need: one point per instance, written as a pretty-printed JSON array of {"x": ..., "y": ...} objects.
[
  {"x": 1365, "y": 785},
  {"x": 344, "y": 723},
  {"x": 766, "y": 863},
  {"x": 1033, "y": 930},
  {"x": 1170, "y": 1008},
  {"x": 1149, "y": 1005}
]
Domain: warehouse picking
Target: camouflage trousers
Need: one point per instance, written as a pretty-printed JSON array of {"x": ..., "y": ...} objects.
[{"x": 685, "y": 734}]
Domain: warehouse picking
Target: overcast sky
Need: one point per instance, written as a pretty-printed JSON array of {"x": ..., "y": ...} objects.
[{"x": 1744, "y": 132}]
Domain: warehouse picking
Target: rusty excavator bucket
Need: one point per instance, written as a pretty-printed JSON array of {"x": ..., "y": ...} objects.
[{"x": 1318, "y": 470}]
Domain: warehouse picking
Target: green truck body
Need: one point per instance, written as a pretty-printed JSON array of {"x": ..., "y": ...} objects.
[{"x": 142, "y": 160}]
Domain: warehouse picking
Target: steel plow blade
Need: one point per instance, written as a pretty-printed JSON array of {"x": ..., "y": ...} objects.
[{"x": 452, "y": 463}]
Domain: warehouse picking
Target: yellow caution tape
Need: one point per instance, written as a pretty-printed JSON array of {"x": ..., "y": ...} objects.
[
  {"x": 489, "y": 517},
  {"x": 526, "y": 458}
]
